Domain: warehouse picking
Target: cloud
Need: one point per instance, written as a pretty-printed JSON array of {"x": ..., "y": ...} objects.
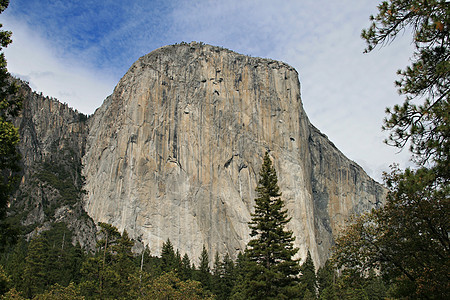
[{"x": 30, "y": 58}]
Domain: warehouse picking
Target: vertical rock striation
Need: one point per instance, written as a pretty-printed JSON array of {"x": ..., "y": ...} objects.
[
  {"x": 175, "y": 153},
  {"x": 52, "y": 143}
]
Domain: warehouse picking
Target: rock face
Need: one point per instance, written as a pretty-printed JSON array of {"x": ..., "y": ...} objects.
[
  {"x": 52, "y": 142},
  {"x": 176, "y": 150}
]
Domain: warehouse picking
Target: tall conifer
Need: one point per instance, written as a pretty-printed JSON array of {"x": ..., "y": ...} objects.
[
  {"x": 271, "y": 270},
  {"x": 204, "y": 272},
  {"x": 10, "y": 106},
  {"x": 308, "y": 277}
]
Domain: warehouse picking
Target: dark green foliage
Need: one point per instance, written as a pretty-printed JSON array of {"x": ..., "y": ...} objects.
[
  {"x": 82, "y": 117},
  {"x": 354, "y": 285},
  {"x": 9, "y": 232},
  {"x": 10, "y": 106},
  {"x": 178, "y": 263},
  {"x": 66, "y": 178},
  {"x": 169, "y": 286},
  {"x": 375, "y": 287},
  {"x": 13, "y": 260},
  {"x": 326, "y": 281},
  {"x": 414, "y": 223},
  {"x": 425, "y": 126},
  {"x": 349, "y": 284},
  {"x": 328, "y": 294},
  {"x": 4, "y": 281},
  {"x": 203, "y": 274},
  {"x": 58, "y": 292},
  {"x": 217, "y": 274},
  {"x": 50, "y": 267},
  {"x": 270, "y": 270},
  {"x": 223, "y": 277},
  {"x": 308, "y": 278},
  {"x": 50, "y": 258},
  {"x": 108, "y": 273},
  {"x": 308, "y": 295},
  {"x": 168, "y": 258},
  {"x": 228, "y": 277},
  {"x": 64, "y": 258},
  {"x": 123, "y": 264},
  {"x": 57, "y": 177},
  {"x": 407, "y": 239},
  {"x": 150, "y": 264},
  {"x": 186, "y": 268},
  {"x": 36, "y": 276},
  {"x": 240, "y": 274}
]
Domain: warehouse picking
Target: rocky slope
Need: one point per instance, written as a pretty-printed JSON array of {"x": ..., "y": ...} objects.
[
  {"x": 175, "y": 153},
  {"x": 52, "y": 142}
]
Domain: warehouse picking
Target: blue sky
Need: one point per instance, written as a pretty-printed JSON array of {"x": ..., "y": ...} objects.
[{"x": 76, "y": 51}]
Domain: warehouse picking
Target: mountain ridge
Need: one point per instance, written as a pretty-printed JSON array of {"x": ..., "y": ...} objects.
[
  {"x": 187, "y": 126},
  {"x": 175, "y": 151}
]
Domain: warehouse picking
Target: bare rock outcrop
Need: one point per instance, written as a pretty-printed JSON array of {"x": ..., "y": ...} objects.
[
  {"x": 175, "y": 153},
  {"x": 52, "y": 143}
]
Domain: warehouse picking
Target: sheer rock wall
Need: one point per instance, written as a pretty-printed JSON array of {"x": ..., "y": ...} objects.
[{"x": 175, "y": 153}]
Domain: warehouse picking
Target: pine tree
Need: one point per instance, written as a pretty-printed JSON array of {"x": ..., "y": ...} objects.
[
  {"x": 407, "y": 239},
  {"x": 240, "y": 274},
  {"x": 186, "y": 269},
  {"x": 223, "y": 277},
  {"x": 326, "y": 281},
  {"x": 63, "y": 260},
  {"x": 203, "y": 273},
  {"x": 122, "y": 266},
  {"x": 36, "y": 277},
  {"x": 178, "y": 263},
  {"x": 217, "y": 274},
  {"x": 167, "y": 257},
  {"x": 59, "y": 292},
  {"x": 271, "y": 270},
  {"x": 10, "y": 106},
  {"x": 4, "y": 281},
  {"x": 108, "y": 273},
  {"x": 15, "y": 264},
  {"x": 169, "y": 286},
  {"x": 228, "y": 277},
  {"x": 308, "y": 277}
]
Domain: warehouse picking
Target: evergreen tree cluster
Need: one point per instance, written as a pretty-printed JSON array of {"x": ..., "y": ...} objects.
[
  {"x": 400, "y": 250},
  {"x": 50, "y": 267},
  {"x": 407, "y": 240}
]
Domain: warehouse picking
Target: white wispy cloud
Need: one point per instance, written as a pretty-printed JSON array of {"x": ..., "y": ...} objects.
[{"x": 32, "y": 59}]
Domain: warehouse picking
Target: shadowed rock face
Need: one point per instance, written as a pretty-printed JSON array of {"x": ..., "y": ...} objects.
[
  {"x": 52, "y": 143},
  {"x": 176, "y": 150}
]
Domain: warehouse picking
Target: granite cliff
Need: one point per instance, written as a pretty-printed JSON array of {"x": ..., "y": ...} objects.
[
  {"x": 52, "y": 142},
  {"x": 175, "y": 153}
]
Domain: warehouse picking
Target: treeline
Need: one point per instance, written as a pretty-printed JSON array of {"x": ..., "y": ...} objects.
[{"x": 50, "y": 267}]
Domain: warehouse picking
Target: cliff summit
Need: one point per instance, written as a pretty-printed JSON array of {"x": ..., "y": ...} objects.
[{"x": 175, "y": 151}]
